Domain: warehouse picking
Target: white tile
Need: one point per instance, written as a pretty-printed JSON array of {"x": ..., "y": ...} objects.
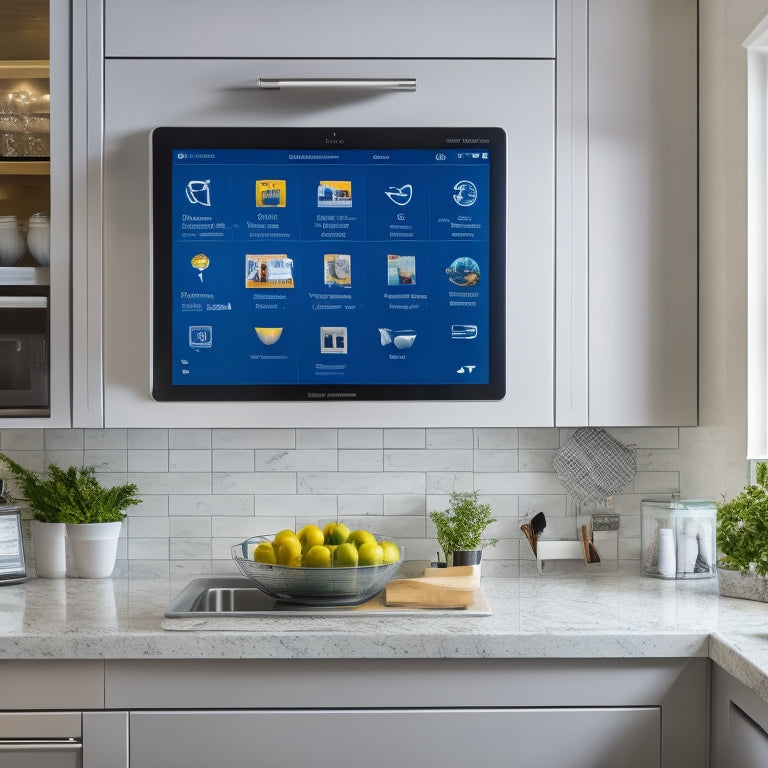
[
  {"x": 350, "y": 505},
  {"x": 190, "y": 527},
  {"x": 189, "y": 460},
  {"x": 233, "y": 460},
  {"x": 21, "y": 440},
  {"x": 657, "y": 460},
  {"x": 496, "y": 437},
  {"x": 148, "y": 438},
  {"x": 656, "y": 482},
  {"x": 445, "y": 482},
  {"x": 361, "y": 460},
  {"x": 496, "y": 460},
  {"x": 148, "y": 569},
  {"x": 64, "y": 458},
  {"x": 148, "y": 527},
  {"x": 148, "y": 549},
  {"x": 151, "y": 505},
  {"x": 240, "y": 528},
  {"x": 190, "y": 549},
  {"x": 361, "y": 482},
  {"x": 297, "y": 505},
  {"x": 189, "y": 439},
  {"x": 210, "y": 504},
  {"x": 404, "y": 504},
  {"x": 106, "y": 459},
  {"x": 503, "y": 505},
  {"x": 254, "y": 438},
  {"x": 316, "y": 438},
  {"x": 536, "y": 460},
  {"x": 647, "y": 437},
  {"x": 64, "y": 439},
  {"x": 171, "y": 482},
  {"x": 361, "y": 438},
  {"x": 540, "y": 438},
  {"x": 147, "y": 460},
  {"x": 286, "y": 460},
  {"x": 253, "y": 482},
  {"x": 518, "y": 482},
  {"x": 549, "y": 504},
  {"x": 99, "y": 439},
  {"x": 455, "y": 459},
  {"x": 405, "y": 438},
  {"x": 447, "y": 437}
]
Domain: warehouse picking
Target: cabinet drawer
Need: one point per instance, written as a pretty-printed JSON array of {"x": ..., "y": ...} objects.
[
  {"x": 450, "y": 738},
  {"x": 244, "y": 28}
]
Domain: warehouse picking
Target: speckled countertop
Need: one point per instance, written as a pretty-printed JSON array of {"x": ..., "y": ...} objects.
[{"x": 621, "y": 616}]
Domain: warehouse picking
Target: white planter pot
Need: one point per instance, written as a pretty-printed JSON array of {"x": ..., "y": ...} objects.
[
  {"x": 748, "y": 586},
  {"x": 50, "y": 549},
  {"x": 94, "y": 548}
]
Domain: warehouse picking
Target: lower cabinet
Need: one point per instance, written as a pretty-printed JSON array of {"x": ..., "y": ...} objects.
[
  {"x": 381, "y": 738},
  {"x": 739, "y": 724}
]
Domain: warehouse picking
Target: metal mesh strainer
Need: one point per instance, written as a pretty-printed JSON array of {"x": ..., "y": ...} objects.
[{"x": 592, "y": 465}]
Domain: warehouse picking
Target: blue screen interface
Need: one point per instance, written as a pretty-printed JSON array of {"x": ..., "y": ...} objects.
[{"x": 330, "y": 267}]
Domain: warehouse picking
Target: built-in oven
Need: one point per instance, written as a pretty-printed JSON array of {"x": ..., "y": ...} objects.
[{"x": 24, "y": 356}]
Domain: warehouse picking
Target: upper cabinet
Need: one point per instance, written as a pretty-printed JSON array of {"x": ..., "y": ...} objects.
[
  {"x": 34, "y": 211},
  {"x": 599, "y": 102},
  {"x": 627, "y": 244}
]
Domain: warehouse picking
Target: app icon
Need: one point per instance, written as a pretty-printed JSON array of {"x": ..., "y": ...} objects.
[
  {"x": 401, "y": 270},
  {"x": 463, "y": 331},
  {"x": 200, "y": 336},
  {"x": 466, "y": 193},
  {"x": 270, "y": 193},
  {"x": 269, "y": 270},
  {"x": 334, "y": 194},
  {"x": 333, "y": 340},
  {"x": 268, "y": 336},
  {"x": 401, "y": 339},
  {"x": 337, "y": 269},
  {"x": 200, "y": 262},
  {"x": 400, "y": 195},
  {"x": 466, "y": 369},
  {"x": 199, "y": 192},
  {"x": 464, "y": 272}
]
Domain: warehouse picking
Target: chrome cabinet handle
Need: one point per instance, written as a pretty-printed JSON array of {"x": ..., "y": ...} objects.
[
  {"x": 23, "y": 302},
  {"x": 373, "y": 83}
]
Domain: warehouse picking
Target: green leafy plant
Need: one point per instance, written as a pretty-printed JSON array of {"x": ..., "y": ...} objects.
[
  {"x": 461, "y": 526},
  {"x": 71, "y": 495},
  {"x": 742, "y": 527}
]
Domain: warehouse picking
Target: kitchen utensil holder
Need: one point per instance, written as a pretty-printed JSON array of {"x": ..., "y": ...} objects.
[{"x": 604, "y": 540}]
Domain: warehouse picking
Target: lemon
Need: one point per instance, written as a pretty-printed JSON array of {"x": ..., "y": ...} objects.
[
  {"x": 335, "y": 533},
  {"x": 391, "y": 551},
  {"x": 286, "y": 533},
  {"x": 345, "y": 556},
  {"x": 289, "y": 551},
  {"x": 370, "y": 553},
  {"x": 361, "y": 537},
  {"x": 264, "y": 553},
  {"x": 310, "y": 536},
  {"x": 317, "y": 556}
]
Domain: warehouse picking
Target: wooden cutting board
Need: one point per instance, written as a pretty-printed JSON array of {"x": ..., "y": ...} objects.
[{"x": 439, "y": 588}]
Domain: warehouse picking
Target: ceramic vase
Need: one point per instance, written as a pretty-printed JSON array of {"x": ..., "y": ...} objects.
[
  {"x": 94, "y": 548},
  {"x": 50, "y": 549},
  {"x": 467, "y": 557}
]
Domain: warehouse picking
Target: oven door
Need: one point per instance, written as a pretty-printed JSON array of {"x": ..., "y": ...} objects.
[{"x": 24, "y": 376}]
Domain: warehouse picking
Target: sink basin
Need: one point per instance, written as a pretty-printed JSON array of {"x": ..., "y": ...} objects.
[{"x": 237, "y": 596}]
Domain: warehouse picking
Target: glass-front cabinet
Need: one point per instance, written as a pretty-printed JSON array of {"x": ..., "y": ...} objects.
[{"x": 34, "y": 213}]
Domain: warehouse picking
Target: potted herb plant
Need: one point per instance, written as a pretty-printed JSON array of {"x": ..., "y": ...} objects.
[
  {"x": 460, "y": 528},
  {"x": 91, "y": 514},
  {"x": 742, "y": 541}
]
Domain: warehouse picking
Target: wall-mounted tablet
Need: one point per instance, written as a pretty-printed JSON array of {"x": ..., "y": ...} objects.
[{"x": 328, "y": 264}]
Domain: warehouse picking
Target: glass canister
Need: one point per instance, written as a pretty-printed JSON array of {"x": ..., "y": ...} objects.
[{"x": 678, "y": 538}]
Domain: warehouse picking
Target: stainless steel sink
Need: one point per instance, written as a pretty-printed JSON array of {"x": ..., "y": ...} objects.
[{"x": 237, "y": 596}]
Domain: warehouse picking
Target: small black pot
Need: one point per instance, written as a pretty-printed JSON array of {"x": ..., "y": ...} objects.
[{"x": 467, "y": 556}]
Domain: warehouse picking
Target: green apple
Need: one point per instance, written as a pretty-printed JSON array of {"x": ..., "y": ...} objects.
[
  {"x": 310, "y": 536},
  {"x": 346, "y": 556},
  {"x": 318, "y": 556},
  {"x": 391, "y": 551},
  {"x": 361, "y": 537},
  {"x": 335, "y": 533},
  {"x": 370, "y": 553},
  {"x": 264, "y": 553},
  {"x": 289, "y": 551}
]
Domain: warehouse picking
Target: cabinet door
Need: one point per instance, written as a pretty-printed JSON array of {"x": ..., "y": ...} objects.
[
  {"x": 627, "y": 214},
  {"x": 515, "y": 95},
  {"x": 451, "y": 738}
]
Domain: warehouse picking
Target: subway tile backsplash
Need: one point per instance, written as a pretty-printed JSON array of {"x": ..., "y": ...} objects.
[{"x": 204, "y": 490}]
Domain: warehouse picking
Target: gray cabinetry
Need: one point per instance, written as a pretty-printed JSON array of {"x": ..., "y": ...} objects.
[
  {"x": 739, "y": 724},
  {"x": 450, "y": 738}
]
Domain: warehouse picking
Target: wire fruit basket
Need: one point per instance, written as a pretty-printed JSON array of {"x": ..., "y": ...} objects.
[{"x": 313, "y": 586}]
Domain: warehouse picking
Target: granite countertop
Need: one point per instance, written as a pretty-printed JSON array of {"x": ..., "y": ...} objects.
[{"x": 619, "y": 616}]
